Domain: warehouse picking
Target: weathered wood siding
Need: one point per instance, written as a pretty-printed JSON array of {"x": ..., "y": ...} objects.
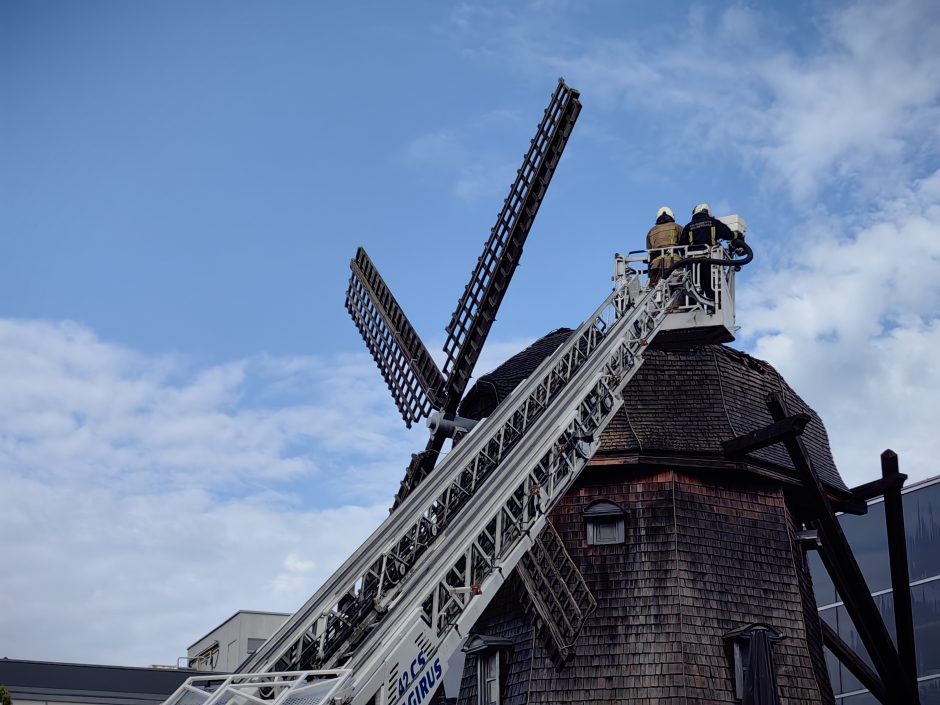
[{"x": 703, "y": 555}]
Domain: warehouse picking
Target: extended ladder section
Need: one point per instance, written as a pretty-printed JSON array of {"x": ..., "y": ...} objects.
[
  {"x": 556, "y": 597},
  {"x": 396, "y": 611}
]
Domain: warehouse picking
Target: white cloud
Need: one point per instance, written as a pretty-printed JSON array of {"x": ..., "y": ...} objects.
[
  {"x": 852, "y": 110},
  {"x": 860, "y": 108},
  {"x": 145, "y": 501},
  {"x": 853, "y": 325}
]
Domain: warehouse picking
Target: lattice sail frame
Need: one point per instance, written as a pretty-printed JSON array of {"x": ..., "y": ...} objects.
[
  {"x": 476, "y": 309},
  {"x": 405, "y": 363},
  {"x": 416, "y": 384}
]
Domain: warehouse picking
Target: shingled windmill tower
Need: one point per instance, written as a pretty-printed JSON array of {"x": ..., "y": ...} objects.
[
  {"x": 690, "y": 555},
  {"x": 623, "y": 515}
]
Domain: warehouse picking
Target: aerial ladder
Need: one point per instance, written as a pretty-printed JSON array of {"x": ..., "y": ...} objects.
[{"x": 383, "y": 628}]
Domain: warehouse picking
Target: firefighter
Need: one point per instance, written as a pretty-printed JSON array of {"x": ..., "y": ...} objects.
[
  {"x": 702, "y": 232},
  {"x": 665, "y": 234},
  {"x": 703, "y": 229}
]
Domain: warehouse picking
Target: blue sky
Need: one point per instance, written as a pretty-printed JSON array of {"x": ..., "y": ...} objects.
[{"x": 183, "y": 184}]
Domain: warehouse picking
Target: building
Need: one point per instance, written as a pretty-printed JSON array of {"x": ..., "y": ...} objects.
[
  {"x": 230, "y": 643},
  {"x": 867, "y": 535},
  {"x": 219, "y": 651},
  {"x": 45, "y": 683}
]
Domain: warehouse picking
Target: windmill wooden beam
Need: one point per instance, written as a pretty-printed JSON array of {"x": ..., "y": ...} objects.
[
  {"x": 852, "y": 661},
  {"x": 880, "y": 487},
  {"x": 418, "y": 387},
  {"x": 789, "y": 427},
  {"x": 846, "y": 575}
]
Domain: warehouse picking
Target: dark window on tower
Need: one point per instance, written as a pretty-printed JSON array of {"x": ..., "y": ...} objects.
[
  {"x": 488, "y": 679},
  {"x": 492, "y": 655},
  {"x": 605, "y": 523},
  {"x": 752, "y": 663}
]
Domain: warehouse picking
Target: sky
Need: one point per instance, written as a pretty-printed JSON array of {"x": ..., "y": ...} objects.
[{"x": 189, "y": 422}]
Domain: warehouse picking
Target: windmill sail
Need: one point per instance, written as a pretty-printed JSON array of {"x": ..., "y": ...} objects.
[
  {"x": 404, "y": 361},
  {"x": 476, "y": 309}
]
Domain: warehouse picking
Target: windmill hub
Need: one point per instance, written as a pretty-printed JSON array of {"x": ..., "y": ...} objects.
[{"x": 449, "y": 427}]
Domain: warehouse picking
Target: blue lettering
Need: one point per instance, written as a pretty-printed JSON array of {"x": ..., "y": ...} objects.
[
  {"x": 418, "y": 664},
  {"x": 402, "y": 683},
  {"x": 414, "y": 697},
  {"x": 421, "y": 687}
]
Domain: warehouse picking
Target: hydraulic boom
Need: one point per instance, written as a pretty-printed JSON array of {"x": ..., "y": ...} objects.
[{"x": 382, "y": 629}]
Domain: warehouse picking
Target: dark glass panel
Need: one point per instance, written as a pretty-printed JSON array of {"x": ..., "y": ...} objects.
[
  {"x": 930, "y": 692},
  {"x": 850, "y": 636},
  {"x": 922, "y": 525},
  {"x": 869, "y": 542},
  {"x": 886, "y": 608},
  {"x": 823, "y": 588},
  {"x": 925, "y": 601},
  {"x": 835, "y": 679}
]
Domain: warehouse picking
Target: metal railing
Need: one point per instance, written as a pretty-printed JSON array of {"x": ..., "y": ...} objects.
[{"x": 293, "y": 688}]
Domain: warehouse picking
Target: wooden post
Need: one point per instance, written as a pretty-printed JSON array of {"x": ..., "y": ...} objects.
[{"x": 900, "y": 575}]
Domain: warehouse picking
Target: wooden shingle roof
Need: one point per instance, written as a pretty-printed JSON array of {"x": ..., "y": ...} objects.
[{"x": 680, "y": 403}]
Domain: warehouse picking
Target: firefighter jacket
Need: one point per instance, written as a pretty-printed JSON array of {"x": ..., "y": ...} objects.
[
  {"x": 663, "y": 235},
  {"x": 705, "y": 230}
]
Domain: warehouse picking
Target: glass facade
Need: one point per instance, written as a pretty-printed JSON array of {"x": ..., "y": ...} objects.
[{"x": 869, "y": 542}]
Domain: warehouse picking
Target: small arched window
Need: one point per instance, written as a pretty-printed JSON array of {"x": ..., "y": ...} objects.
[
  {"x": 492, "y": 655},
  {"x": 605, "y": 523},
  {"x": 752, "y": 659}
]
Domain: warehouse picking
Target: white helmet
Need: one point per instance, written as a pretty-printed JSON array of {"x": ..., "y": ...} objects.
[
  {"x": 702, "y": 207},
  {"x": 665, "y": 210}
]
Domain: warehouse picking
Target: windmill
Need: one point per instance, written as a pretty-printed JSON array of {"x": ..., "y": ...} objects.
[
  {"x": 691, "y": 524},
  {"x": 418, "y": 387}
]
